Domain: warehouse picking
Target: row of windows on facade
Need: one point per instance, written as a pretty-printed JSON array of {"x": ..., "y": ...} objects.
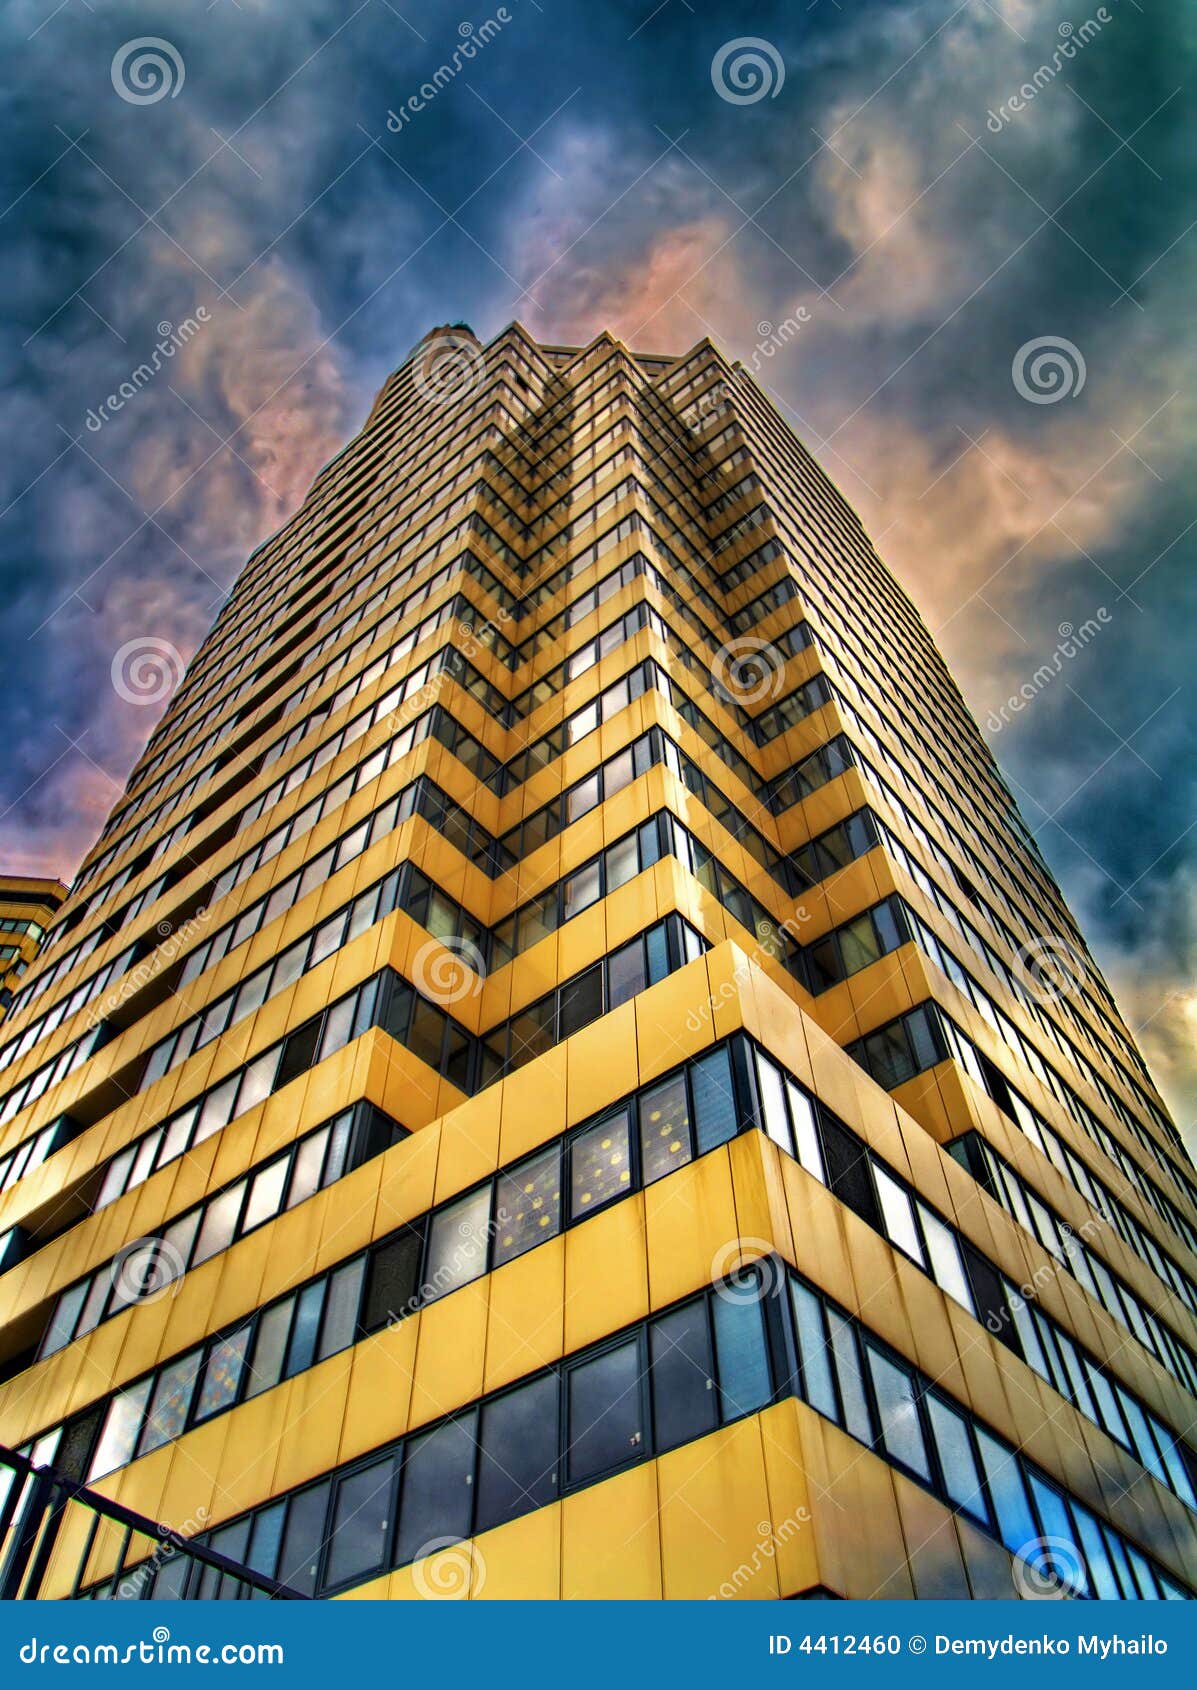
[
  {"x": 733, "y": 1089},
  {"x": 389, "y": 1002},
  {"x": 924, "y": 1037},
  {"x": 704, "y": 1363}
]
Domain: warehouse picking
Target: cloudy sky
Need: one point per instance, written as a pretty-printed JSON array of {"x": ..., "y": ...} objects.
[{"x": 877, "y": 178}]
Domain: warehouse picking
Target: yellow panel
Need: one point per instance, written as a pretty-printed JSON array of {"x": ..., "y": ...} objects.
[
  {"x": 716, "y": 1538},
  {"x": 450, "y": 1346},
  {"x": 525, "y": 1330},
  {"x": 606, "y": 1273},
  {"x": 610, "y": 1539},
  {"x": 691, "y": 1228},
  {"x": 380, "y": 1389},
  {"x": 521, "y": 1561}
]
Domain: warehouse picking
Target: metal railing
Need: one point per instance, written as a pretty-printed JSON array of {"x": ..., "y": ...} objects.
[{"x": 149, "y": 1559}]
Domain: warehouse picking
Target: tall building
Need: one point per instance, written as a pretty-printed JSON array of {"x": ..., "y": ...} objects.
[
  {"x": 27, "y": 904},
  {"x": 565, "y": 1075}
]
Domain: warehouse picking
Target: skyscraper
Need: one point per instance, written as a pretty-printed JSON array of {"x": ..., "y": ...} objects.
[
  {"x": 565, "y": 1074},
  {"x": 26, "y": 906}
]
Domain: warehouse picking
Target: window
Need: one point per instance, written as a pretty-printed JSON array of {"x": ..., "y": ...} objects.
[
  {"x": 435, "y": 1498},
  {"x": 962, "y": 1481},
  {"x": 847, "y": 1367},
  {"x": 680, "y": 1373},
  {"x": 222, "y": 1375},
  {"x": 806, "y": 1133},
  {"x": 303, "y": 1539},
  {"x": 897, "y": 1407},
  {"x": 363, "y": 1514},
  {"x": 457, "y": 1244},
  {"x": 120, "y": 1430},
  {"x": 599, "y": 1165},
  {"x": 219, "y": 1223},
  {"x": 266, "y": 1194},
  {"x": 517, "y": 1468},
  {"x": 664, "y": 1129},
  {"x": 1015, "y": 1520},
  {"x": 269, "y": 1348},
  {"x": 745, "y": 1381},
  {"x": 528, "y": 1205},
  {"x": 814, "y": 1356},
  {"x": 171, "y": 1400},
  {"x": 715, "y": 1115},
  {"x": 605, "y": 1417},
  {"x": 898, "y": 1215}
]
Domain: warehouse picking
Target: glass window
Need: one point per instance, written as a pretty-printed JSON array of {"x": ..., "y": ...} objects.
[
  {"x": 680, "y": 1376},
  {"x": 580, "y": 890},
  {"x": 172, "y": 1398},
  {"x": 435, "y": 1501},
  {"x": 222, "y": 1375},
  {"x": 623, "y": 863},
  {"x": 457, "y": 1244},
  {"x": 302, "y": 1348},
  {"x": 947, "y": 1268},
  {"x": 599, "y": 1165},
  {"x": 269, "y": 1347},
  {"x": 528, "y": 1205},
  {"x": 957, "y": 1462},
  {"x": 898, "y": 1215},
  {"x": 394, "y": 1278},
  {"x": 715, "y": 1115},
  {"x": 773, "y": 1105},
  {"x": 363, "y": 1513},
  {"x": 340, "y": 1314},
  {"x": 847, "y": 1366},
  {"x": 266, "y": 1193},
  {"x": 580, "y": 1002},
  {"x": 817, "y": 1384},
  {"x": 664, "y": 1129},
  {"x": 744, "y": 1378},
  {"x": 625, "y": 973},
  {"x": 605, "y": 1427},
  {"x": 897, "y": 1406},
  {"x": 121, "y": 1426},
  {"x": 1015, "y": 1520},
  {"x": 303, "y": 1539},
  {"x": 517, "y": 1467},
  {"x": 219, "y": 1223},
  {"x": 307, "y": 1163},
  {"x": 806, "y": 1132}
]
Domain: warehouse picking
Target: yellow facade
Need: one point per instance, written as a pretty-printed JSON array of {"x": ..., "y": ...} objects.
[{"x": 541, "y": 1089}]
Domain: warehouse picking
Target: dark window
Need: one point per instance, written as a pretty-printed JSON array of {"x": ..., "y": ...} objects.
[
  {"x": 303, "y": 1539},
  {"x": 683, "y": 1390},
  {"x": 437, "y": 1493},
  {"x": 715, "y": 1117},
  {"x": 517, "y": 1468},
  {"x": 581, "y": 1002},
  {"x": 299, "y": 1052},
  {"x": 302, "y": 1348},
  {"x": 743, "y": 1357},
  {"x": 393, "y": 1278},
  {"x": 605, "y": 1428},
  {"x": 363, "y": 1515}
]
